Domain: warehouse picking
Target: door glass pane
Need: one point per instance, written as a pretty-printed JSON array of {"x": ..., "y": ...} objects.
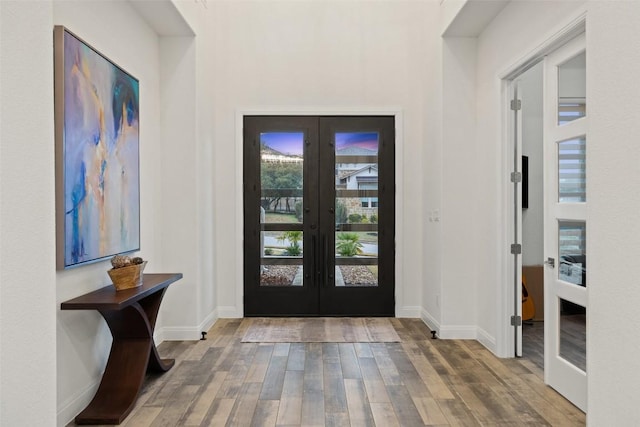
[
  {"x": 572, "y": 246},
  {"x": 573, "y": 334},
  {"x": 572, "y": 184},
  {"x": 356, "y": 237},
  {"x": 572, "y": 89},
  {"x": 281, "y": 167},
  {"x": 281, "y": 180},
  {"x": 282, "y": 253},
  {"x": 356, "y": 275}
]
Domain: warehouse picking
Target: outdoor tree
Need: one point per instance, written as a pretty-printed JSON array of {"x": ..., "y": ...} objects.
[{"x": 283, "y": 176}]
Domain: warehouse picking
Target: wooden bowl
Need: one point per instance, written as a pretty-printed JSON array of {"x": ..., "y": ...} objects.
[{"x": 127, "y": 277}]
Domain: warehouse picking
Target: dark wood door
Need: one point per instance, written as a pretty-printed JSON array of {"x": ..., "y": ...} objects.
[{"x": 319, "y": 216}]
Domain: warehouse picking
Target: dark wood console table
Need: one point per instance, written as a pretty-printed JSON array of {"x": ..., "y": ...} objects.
[{"x": 131, "y": 315}]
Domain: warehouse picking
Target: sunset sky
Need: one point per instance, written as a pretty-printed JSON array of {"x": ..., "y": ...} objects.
[{"x": 293, "y": 142}]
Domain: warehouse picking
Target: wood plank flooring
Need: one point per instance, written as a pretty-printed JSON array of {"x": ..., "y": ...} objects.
[
  {"x": 320, "y": 329},
  {"x": 416, "y": 382}
]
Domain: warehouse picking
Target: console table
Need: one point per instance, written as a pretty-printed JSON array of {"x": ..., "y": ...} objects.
[{"x": 131, "y": 315}]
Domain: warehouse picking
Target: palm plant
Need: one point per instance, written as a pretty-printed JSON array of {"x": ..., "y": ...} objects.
[
  {"x": 294, "y": 238},
  {"x": 348, "y": 244}
]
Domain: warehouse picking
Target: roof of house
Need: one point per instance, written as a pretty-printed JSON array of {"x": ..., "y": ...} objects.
[
  {"x": 355, "y": 151},
  {"x": 356, "y": 172}
]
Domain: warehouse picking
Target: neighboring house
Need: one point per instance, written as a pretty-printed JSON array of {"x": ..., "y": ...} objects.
[{"x": 357, "y": 176}]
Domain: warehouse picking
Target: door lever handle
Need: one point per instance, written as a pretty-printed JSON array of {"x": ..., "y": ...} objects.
[
  {"x": 314, "y": 258},
  {"x": 551, "y": 262},
  {"x": 325, "y": 261}
]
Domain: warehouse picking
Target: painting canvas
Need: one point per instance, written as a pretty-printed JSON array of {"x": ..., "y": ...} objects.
[{"x": 97, "y": 154}]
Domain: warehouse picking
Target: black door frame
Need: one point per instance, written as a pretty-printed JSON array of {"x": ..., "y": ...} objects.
[{"x": 319, "y": 296}]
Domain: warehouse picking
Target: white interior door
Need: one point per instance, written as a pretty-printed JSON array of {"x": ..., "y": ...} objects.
[{"x": 565, "y": 226}]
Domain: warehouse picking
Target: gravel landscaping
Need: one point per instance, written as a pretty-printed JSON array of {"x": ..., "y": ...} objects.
[{"x": 283, "y": 275}]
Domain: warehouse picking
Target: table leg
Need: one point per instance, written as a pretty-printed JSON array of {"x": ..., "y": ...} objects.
[
  {"x": 151, "y": 305},
  {"x": 133, "y": 352}
]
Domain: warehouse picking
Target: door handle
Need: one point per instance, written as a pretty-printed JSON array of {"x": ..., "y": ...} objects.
[
  {"x": 551, "y": 262},
  {"x": 318, "y": 268},
  {"x": 314, "y": 257},
  {"x": 325, "y": 256}
]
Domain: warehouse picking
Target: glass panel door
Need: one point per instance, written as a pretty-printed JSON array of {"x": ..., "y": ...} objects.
[
  {"x": 566, "y": 228},
  {"x": 280, "y": 182},
  {"x": 319, "y": 216},
  {"x": 357, "y": 205}
]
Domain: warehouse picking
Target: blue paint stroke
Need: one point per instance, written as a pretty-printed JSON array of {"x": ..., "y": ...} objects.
[
  {"x": 124, "y": 93},
  {"x": 103, "y": 167},
  {"x": 78, "y": 195}
]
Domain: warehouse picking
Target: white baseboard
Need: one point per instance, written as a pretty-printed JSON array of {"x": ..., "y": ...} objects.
[
  {"x": 459, "y": 332},
  {"x": 409, "y": 312},
  {"x": 76, "y": 403},
  {"x": 487, "y": 340},
  {"x": 158, "y": 336},
  {"x": 186, "y": 333},
  {"x": 430, "y": 321},
  {"x": 229, "y": 312},
  {"x": 208, "y": 321},
  {"x": 180, "y": 333}
]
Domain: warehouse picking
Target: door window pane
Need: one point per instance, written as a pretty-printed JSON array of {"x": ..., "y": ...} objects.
[
  {"x": 356, "y": 236},
  {"x": 572, "y": 89},
  {"x": 356, "y": 144},
  {"x": 572, "y": 185},
  {"x": 356, "y": 275},
  {"x": 281, "y": 176},
  {"x": 282, "y": 254},
  {"x": 573, "y": 334},
  {"x": 572, "y": 244}
]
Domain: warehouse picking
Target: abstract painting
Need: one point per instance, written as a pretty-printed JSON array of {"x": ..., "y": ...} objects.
[{"x": 97, "y": 154}]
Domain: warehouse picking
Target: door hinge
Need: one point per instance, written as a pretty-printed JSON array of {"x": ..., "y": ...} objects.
[
  {"x": 516, "y": 176},
  {"x": 516, "y": 104},
  {"x": 516, "y": 321},
  {"x": 516, "y": 248}
]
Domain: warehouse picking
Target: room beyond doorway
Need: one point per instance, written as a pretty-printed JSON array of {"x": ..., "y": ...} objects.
[{"x": 319, "y": 215}]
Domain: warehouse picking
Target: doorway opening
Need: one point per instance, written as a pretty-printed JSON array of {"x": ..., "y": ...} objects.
[
  {"x": 548, "y": 124},
  {"x": 319, "y": 215},
  {"x": 529, "y": 86}
]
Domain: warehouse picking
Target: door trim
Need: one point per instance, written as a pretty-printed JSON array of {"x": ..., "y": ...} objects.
[
  {"x": 237, "y": 310},
  {"x": 505, "y": 340}
]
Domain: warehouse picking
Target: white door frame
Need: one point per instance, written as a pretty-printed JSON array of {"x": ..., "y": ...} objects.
[
  {"x": 401, "y": 310},
  {"x": 506, "y": 345}
]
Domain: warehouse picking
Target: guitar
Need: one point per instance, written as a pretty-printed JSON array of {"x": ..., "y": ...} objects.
[{"x": 528, "y": 307}]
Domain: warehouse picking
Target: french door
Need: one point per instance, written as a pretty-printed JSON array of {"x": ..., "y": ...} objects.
[
  {"x": 565, "y": 143},
  {"x": 319, "y": 217}
]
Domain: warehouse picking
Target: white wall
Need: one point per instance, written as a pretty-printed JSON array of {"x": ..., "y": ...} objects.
[
  {"x": 318, "y": 56},
  {"x": 530, "y": 92},
  {"x": 459, "y": 215},
  {"x": 518, "y": 30},
  {"x": 27, "y": 242},
  {"x": 432, "y": 153},
  {"x": 178, "y": 181},
  {"x": 613, "y": 229},
  {"x": 176, "y": 201},
  {"x": 83, "y": 339}
]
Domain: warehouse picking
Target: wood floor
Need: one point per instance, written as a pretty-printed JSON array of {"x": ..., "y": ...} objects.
[
  {"x": 416, "y": 382},
  {"x": 533, "y": 343}
]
